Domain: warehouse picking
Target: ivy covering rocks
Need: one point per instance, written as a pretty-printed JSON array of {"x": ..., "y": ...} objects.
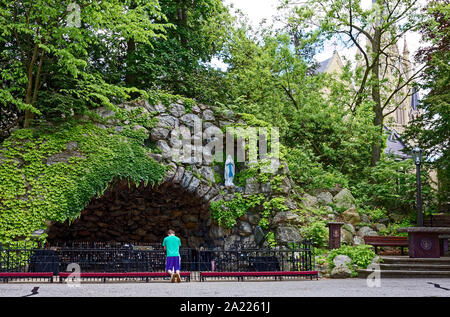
[{"x": 50, "y": 173}]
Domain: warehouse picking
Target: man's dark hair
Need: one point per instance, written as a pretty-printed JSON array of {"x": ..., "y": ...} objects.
[{"x": 170, "y": 231}]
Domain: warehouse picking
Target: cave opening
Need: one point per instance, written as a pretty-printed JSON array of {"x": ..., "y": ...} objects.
[{"x": 139, "y": 215}]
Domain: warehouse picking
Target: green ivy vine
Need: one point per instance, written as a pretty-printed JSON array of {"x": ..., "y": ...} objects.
[{"x": 35, "y": 189}]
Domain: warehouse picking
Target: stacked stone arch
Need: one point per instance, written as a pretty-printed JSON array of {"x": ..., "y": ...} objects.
[
  {"x": 199, "y": 177},
  {"x": 182, "y": 201}
]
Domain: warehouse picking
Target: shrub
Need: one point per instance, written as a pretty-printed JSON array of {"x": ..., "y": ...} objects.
[
  {"x": 226, "y": 212},
  {"x": 392, "y": 228},
  {"x": 270, "y": 239},
  {"x": 310, "y": 174},
  {"x": 392, "y": 185},
  {"x": 318, "y": 232},
  {"x": 375, "y": 214},
  {"x": 361, "y": 256}
]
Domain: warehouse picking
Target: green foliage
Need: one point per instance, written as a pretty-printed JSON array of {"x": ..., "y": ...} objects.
[
  {"x": 260, "y": 172},
  {"x": 225, "y": 213},
  {"x": 319, "y": 212},
  {"x": 310, "y": 174},
  {"x": 179, "y": 63},
  {"x": 318, "y": 232},
  {"x": 33, "y": 190},
  {"x": 253, "y": 121},
  {"x": 361, "y": 256},
  {"x": 271, "y": 81},
  {"x": 375, "y": 214},
  {"x": 320, "y": 255},
  {"x": 276, "y": 204},
  {"x": 331, "y": 131},
  {"x": 431, "y": 130},
  {"x": 372, "y": 85},
  {"x": 123, "y": 49},
  {"x": 51, "y": 63},
  {"x": 392, "y": 228},
  {"x": 392, "y": 185},
  {"x": 270, "y": 239},
  {"x": 167, "y": 99}
]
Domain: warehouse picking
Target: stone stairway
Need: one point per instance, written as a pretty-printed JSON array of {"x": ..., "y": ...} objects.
[{"x": 405, "y": 267}]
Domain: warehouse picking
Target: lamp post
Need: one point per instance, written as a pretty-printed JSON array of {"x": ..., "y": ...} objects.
[{"x": 417, "y": 157}]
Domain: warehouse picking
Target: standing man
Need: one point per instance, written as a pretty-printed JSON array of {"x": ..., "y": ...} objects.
[{"x": 171, "y": 245}]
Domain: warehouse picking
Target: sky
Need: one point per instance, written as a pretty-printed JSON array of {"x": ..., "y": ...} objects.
[{"x": 257, "y": 10}]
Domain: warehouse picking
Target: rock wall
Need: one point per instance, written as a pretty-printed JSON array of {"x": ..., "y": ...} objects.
[
  {"x": 182, "y": 201},
  {"x": 342, "y": 207}
]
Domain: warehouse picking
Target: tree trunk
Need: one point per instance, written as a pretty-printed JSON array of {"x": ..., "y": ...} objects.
[
  {"x": 377, "y": 145},
  {"x": 28, "y": 100},
  {"x": 376, "y": 97},
  {"x": 130, "y": 75},
  {"x": 182, "y": 20},
  {"x": 28, "y": 118},
  {"x": 29, "y": 95}
]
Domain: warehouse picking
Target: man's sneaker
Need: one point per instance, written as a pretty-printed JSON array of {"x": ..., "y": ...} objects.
[
  {"x": 172, "y": 278},
  {"x": 177, "y": 276}
]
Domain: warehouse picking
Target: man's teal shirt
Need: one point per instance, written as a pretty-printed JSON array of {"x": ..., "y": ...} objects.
[{"x": 172, "y": 244}]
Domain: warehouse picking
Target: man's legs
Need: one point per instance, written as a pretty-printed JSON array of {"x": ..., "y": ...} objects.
[
  {"x": 169, "y": 267},
  {"x": 177, "y": 261}
]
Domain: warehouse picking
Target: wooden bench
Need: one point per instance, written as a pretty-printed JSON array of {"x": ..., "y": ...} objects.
[
  {"x": 240, "y": 275},
  {"x": 386, "y": 241},
  {"x": 6, "y": 276},
  {"x": 95, "y": 275}
]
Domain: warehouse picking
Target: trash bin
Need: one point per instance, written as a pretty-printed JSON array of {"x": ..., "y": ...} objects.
[{"x": 334, "y": 237}]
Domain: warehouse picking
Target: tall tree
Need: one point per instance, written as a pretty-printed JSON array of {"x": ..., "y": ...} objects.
[
  {"x": 431, "y": 130},
  {"x": 268, "y": 78},
  {"x": 375, "y": 32},
  {"x": 45, "y": 47},
  {"x": 178, "y": 63}
]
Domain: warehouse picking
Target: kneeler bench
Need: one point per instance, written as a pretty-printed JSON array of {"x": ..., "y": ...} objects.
[
  {"x": 6, "y": 276},
  {"x": 96, "y": 275},
  {"x": 240, "y": 275}
]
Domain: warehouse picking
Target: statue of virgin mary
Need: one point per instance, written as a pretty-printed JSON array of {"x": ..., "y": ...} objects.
[{"x": 230, "y": 171}]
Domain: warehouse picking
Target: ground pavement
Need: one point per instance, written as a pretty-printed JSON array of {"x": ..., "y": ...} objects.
[{"x": 303, "y": 288}]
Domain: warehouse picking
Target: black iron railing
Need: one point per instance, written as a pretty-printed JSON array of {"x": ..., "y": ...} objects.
[{"x": 116, "y": 257}]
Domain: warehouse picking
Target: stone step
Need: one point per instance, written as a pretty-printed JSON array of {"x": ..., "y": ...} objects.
[
  {"x": 406, "y": 274},
  {"x": 408, "y": 260},
  {"x": 406, "y": 267},
  {"x": 415, "y": 267}
]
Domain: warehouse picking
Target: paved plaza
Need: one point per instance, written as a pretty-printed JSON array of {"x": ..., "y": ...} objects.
[{"x": 303, "y": 288}]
